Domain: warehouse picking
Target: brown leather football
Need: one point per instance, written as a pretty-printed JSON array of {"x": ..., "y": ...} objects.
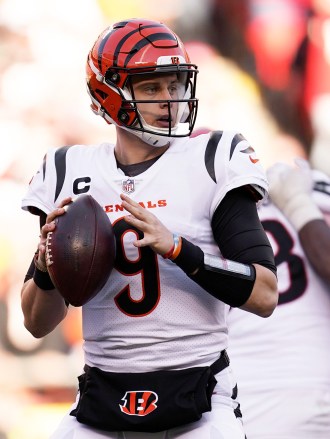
[{"x": 80, "y": 252}]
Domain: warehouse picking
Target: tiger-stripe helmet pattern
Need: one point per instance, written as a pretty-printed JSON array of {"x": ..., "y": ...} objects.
[{"x": 135, "y": 47}]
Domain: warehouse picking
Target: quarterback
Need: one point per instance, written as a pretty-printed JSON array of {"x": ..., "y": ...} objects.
[{"x": 189, "y": 246}]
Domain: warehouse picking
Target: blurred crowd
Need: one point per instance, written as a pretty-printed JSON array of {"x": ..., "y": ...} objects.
[{"x": 264, "y": 71}]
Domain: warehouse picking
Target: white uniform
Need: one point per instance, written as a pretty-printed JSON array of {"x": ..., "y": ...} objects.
[
  {"x": 282, "y": 363},
  {"x": 150, "y": 315}
]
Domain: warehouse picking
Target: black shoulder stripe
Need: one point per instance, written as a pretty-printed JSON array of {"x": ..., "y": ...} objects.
[
  {"x": 238, "y": 138},
  {"x": 322, "y": 186},
  {"x": 44, "y": 167},
  {"x": 210, "y": 151},
  {"x": 60, "y": 166}
]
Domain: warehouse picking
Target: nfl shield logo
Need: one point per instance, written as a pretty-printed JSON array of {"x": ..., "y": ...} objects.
[{"x": 128, "y": 185}]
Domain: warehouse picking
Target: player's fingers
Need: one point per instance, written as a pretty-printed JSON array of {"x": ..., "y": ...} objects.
[
  {"x": 131, "y": 205},
  {"x": 48, "y": 227},
  {"x": 128, "y": 199},
  {"x": 141, "y": 243},
  {"x": 150, "y": 234},
  {"x": 51, "y": 216},
  {"x": 59, "y": 211},
  {"x": 65, "y": 202},
  {"x": 131, "y": 209},
  {"x": 139, "y": 224},
  {"x": 42, "y": 243},
  {"x": 138, "y": 211}
]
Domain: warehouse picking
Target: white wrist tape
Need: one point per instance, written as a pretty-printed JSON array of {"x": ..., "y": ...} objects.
[{"x": 301, "y": 210}]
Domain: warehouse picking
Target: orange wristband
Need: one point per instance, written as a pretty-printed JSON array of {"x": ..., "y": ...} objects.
[
  {"x": 169, "y": 253},
  {"x": 177, "y": 247}
]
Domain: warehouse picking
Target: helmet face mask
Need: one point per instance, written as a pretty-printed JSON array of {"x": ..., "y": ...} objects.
[{"x": 114, "y": 68}]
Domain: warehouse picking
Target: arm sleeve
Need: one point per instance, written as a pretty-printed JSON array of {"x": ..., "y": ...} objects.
[
  {"x": 241, "y": 238},
  {"x": 238, "y": 231}
]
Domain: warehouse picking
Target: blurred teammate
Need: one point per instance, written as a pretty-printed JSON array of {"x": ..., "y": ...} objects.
[
  {"x": 283, "y": 363},
  {"x": 156, "y": 334}
]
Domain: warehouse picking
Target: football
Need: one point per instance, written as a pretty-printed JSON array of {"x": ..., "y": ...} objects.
[{"x": 80, "y": 252}]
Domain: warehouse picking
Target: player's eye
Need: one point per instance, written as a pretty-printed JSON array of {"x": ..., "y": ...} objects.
[
  {"x": 173, "y": 89},
  {"x": 151, "y": 89}
]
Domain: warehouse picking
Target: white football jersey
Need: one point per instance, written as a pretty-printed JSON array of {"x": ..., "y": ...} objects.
[
  {"x": 290, "y": 349},
  {"x": 150, "y": 315}
]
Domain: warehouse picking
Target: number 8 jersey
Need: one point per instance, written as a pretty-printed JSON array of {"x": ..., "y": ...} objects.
[
  {"x": 282, "y": 363},
  {"x": 150, "y": 315}
]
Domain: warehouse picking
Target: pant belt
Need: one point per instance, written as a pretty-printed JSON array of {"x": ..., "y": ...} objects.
[{"x": 221, "y": 363}]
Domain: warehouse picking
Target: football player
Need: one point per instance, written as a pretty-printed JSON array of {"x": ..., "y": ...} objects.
[
  {"x": 189, "y": 246},
  {"x": 282, "y": 364}
]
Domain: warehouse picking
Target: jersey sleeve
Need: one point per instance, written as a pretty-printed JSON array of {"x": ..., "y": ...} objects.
[
  {"x": 42, "y": 188},
  {"x": 235, "y": 164}
]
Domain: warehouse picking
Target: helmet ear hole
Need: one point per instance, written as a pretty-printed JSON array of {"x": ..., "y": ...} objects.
[
  {"x": 112, "y": 77},
  {"x": 127, "y": 116},
  {"x": 123, "y": 116}
]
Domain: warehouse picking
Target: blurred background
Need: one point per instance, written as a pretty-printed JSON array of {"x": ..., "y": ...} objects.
[{"x": 264, "y": 71}]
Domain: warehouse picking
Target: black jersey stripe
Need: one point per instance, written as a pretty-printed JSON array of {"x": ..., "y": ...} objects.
[
  {"x": 237, "y": 138},
  {"x": 44, "y": 167},
  {"x": 126, "y": 37},
  {"x": 210, "y": 151},
  {"x": 322, "y": 186},
  {"x": 60, "y": 167}
]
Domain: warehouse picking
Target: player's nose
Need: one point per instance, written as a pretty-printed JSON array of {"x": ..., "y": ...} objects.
[{"x": 166, "y": 99}]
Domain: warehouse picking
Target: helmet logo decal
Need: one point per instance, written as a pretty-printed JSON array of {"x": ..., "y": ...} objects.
[{"x": 175, "y": 60}]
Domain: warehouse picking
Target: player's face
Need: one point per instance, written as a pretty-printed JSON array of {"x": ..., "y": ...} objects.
[{"x": 165, "y": 87}]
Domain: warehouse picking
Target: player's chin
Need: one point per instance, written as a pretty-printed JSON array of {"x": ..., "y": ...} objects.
[{"x": 164, "y": 124}]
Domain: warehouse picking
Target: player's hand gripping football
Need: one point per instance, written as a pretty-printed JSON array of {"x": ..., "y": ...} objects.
[
  {"x": 156, "y": 235},
  {"x": 49, "y": 226}
]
